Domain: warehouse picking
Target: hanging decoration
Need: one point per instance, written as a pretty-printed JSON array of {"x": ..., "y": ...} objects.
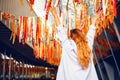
[
  {"x": 48, "y": 3},
  {"x": 19, "y": 29},
  {"x": 5, "y": 15},
  {"x": 42, "y": 36},
  {"x": 38, "y": 30},
  {"x": 77, "y": 1},
  {"x": 115, "y": 7},
  {"x": 25, "y": 28},
  {"x": 13, "y": 28},
  {"x": 31, "y": 2}
]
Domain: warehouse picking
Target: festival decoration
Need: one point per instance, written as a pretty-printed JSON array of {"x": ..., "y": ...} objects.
[
  {"x": 47, "y": 8},
  {"x": 19, "y": 29},
  {"x": 6, "y": 15},
  {"x": 42, "y": 36},
  {"x": 78, "y": 1},
  {"x": 31, "y": 2},
  {"x": 13, "y": 28}
]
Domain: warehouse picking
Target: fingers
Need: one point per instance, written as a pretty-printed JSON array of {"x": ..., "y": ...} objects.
[{"x": 96, "y": 16}]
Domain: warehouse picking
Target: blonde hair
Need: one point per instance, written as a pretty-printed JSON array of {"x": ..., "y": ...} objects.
[{"x": 83, "y": 50}]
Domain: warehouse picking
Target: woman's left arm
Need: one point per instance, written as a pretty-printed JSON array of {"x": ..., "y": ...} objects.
[
  {"x": 90, "y": 35},
  {"x": 92, "y": 30}
]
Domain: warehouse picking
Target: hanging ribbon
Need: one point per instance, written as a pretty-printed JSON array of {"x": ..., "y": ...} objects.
[
  {"x": 77, "y": 1},
  {"x": 38, "y": 30},
  {"x": 31, "y": 2},
  {"x": 60, "y": 7},
  {"x": 104, "y": 6},
  {"x": 6, "y": 15},
  {"x": 45, "y": 5},
  {"x": 115, "y": 7},
  {"x": 45, "y": 44},
  {"x": 20, "y": 23},
  {"x": 36, "y": 50},
  {"x": 13, "y": 28},
  {"x": 34, "y": 30},
  {"x": 48, "y": 8},
  {"x": 25, "y": 28}
]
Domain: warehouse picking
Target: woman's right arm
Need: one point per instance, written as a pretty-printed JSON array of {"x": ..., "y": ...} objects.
[
  {"x": 61, "y": 33},
  {"x": 56, "y": 18}
]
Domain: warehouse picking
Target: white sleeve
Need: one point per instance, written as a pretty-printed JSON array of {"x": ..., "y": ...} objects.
[
  {"x": 90, "y": 35},
  {"x": 62, "y": 34},
  {"x": 65, "y": 42}
]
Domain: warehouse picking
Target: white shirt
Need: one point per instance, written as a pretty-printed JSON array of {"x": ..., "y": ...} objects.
[{"x": 69, "y": 68}]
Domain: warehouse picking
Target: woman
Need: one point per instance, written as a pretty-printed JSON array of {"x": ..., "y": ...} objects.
[{"x": 77, "y": 58}]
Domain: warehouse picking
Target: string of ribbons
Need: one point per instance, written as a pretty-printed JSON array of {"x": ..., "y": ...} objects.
[{"x": 42, "y": 36}]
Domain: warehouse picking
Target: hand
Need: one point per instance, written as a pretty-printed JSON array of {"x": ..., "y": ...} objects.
[{"x": 96, "y": 16}]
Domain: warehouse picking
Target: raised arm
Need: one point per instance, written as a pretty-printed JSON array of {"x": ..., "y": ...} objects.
[
  {"x": 90, "y": 35},
  {"x": 61, "y": 33},
  {"x": 56, "y": 18},
  {"x": 92, "y": 30}
]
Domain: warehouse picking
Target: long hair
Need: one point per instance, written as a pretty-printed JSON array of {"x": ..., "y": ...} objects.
[{"x": 83, "y": 50}]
